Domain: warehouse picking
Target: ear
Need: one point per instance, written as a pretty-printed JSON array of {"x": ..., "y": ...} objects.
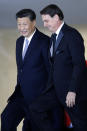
[
  {"x": 34, "y": 22},
  {"x": 56, "y": 17}
]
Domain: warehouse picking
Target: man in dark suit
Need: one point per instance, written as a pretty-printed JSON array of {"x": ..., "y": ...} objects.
[
  {"x": 67, "y": 82},
  {"x": 32, "y": 71}
]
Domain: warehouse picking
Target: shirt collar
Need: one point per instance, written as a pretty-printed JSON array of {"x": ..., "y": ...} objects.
[
  {"x": 58, "y": 30},
  {"x": 30, "y": 37}
]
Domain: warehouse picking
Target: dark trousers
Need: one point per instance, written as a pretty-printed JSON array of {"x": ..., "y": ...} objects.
[
  {"x": 49, "y": 100},
  {"x": 12, "y": 115},
  {"x": 40, "y": 107},
  {"x": 27, "y": 126},
  {"x": 17, "y": 109},
  {"x": 54, "y": 117}
]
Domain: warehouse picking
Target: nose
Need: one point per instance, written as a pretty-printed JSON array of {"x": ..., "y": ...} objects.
[
  {"x": 21, "y": 27},
  {"x": 45, "y": 24}
]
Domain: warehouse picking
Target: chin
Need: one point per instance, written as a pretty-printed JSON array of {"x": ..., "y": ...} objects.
[
  {"x": 51, "y": 30},
  {"x": 25, "y": 35}
]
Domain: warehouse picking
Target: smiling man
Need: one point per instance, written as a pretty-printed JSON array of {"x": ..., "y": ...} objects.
[{"x": 32, "y": 71}]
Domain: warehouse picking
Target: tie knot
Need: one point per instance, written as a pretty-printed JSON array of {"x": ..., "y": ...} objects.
[{"x": 54, "y": 35}]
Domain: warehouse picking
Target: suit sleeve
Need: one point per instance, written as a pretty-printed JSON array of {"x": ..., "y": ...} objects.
[{"x": 76, "y": 47}]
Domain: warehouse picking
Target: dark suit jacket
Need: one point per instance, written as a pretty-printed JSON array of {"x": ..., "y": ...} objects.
[
  {"x": 69, "y": 64},
  {"x": 32, "y": 73}
]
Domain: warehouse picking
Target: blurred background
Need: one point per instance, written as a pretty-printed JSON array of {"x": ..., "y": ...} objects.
[{"x": 75, "y": 15}]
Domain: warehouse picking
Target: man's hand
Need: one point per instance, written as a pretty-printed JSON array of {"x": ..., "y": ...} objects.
[{"x": 70, "y": 99}]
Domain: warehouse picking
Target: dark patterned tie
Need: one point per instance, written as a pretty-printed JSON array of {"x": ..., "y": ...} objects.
[{"x": 53, "y": 40}]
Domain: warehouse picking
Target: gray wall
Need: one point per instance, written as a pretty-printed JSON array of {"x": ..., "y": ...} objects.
[{"x": 74, "y": 10}]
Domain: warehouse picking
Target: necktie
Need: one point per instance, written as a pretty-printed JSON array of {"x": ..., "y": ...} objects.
[
  {"x": 25, "y": 48},
  {"x": 53, "y": 39}
]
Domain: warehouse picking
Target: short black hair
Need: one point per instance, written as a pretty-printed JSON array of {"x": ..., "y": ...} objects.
[
  {"x": 26, "y": 13},
  {"x": 52, "y": 10}
]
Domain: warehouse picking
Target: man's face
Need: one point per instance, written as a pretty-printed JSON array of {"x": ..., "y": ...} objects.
[
  {"x": 50, "y": 22},
  {"x": 25, "y": 26}
]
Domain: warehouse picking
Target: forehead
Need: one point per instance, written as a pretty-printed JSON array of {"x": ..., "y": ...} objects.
[
  {"x": 23, "y": 19},
  {"x": 46, "y": 17}
]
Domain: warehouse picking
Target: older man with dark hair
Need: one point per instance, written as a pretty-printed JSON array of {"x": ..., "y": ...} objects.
[{"x": 32, "y": 70}]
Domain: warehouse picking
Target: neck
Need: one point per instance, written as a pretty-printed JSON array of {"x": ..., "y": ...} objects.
[
  {"x": 31, "y": 32},
  {"x": 58, "y": 25}
]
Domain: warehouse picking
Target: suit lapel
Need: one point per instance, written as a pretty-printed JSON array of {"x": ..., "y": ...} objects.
[
  {"x": 32, "y": 45},
  {"x": 20, "y": 50},
  {"x": 59, "y": 40},
  {"x": 57, "y": 44}
]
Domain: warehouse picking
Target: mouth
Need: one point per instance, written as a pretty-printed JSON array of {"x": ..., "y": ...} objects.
[{"x": 23, "y": 32}]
